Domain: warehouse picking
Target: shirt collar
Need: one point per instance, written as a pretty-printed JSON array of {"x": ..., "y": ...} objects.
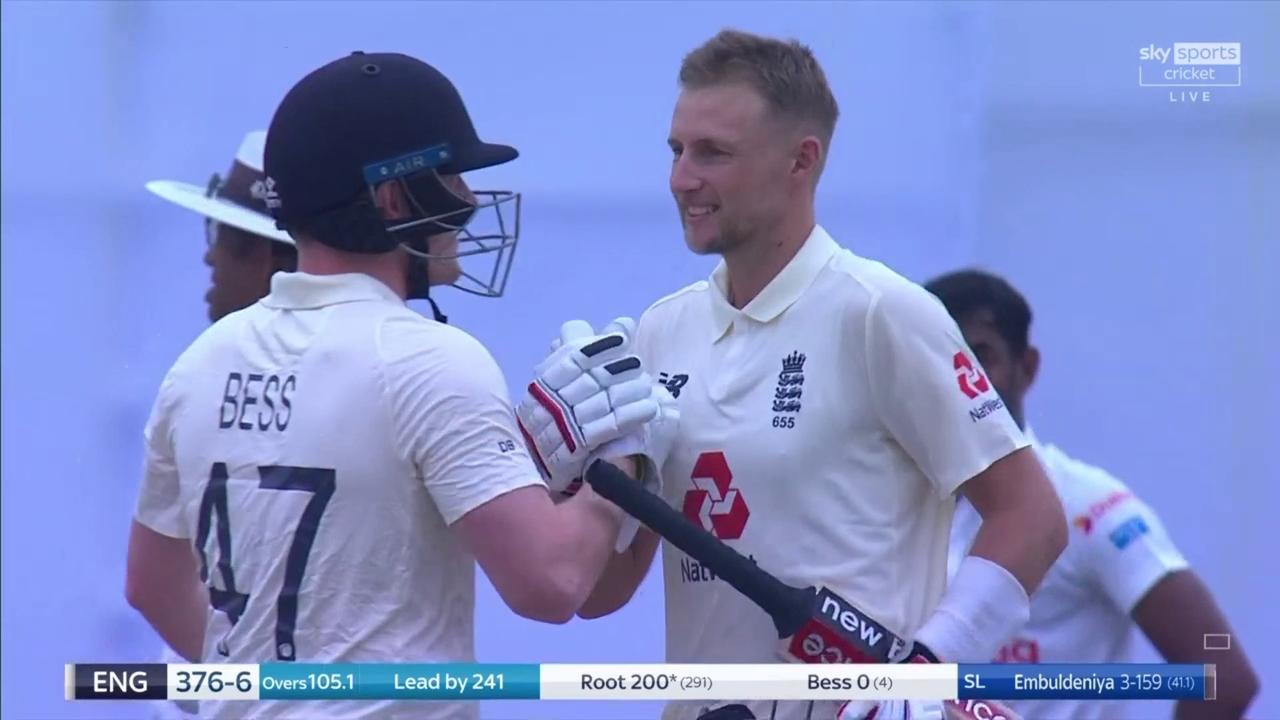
[
  {"x": 780, "y": 293},
  {"x": 1031, "y": 436},
  {"x": 303, "y": 291}
]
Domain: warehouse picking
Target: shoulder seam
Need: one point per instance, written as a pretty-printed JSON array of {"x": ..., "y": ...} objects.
[
  {"x": 698, "y": 286},
  {"x": 385, "y": 402}
]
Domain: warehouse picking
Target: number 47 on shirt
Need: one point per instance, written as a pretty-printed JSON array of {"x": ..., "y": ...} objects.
[{"x": 320, "y": 482}]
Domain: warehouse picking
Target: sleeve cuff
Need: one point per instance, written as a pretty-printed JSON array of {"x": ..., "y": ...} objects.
[{"x": 167, "y": 526}]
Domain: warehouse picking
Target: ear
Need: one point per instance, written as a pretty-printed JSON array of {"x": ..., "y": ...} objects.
[
  {"x": 283, "y": 260},
  {"x": 391, "y": 200},
  {"x": 1030, "y": 365},
  {"x": 808, "y": 157}
]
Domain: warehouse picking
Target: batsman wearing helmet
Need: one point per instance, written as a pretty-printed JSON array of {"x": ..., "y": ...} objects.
[
  {"x": 830, "y": 409},
  {"x": 339, "y": 463}
]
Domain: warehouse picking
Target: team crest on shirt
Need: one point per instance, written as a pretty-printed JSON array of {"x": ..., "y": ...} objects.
[{"x": 786, "y": 397}]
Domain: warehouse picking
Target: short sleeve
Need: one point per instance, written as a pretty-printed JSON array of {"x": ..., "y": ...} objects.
[
  {"x": 930, "y": 391},
  {"x": 1124, "y": 548},
  {"x": 452, "y": 415},
  {"x": 643, "y": 342},
  {"x": 159, "y": 499}
]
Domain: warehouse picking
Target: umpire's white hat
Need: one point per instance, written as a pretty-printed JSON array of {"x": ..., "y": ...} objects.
[{"x": 239, "y": 199}]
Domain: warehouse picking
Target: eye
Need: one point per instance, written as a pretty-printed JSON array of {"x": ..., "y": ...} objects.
[{"x": 712, "y": 151}]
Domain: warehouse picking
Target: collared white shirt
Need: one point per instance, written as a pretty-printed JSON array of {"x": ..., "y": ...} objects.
[
  {"x": 315, "y": 447},
  {"x": 823, "y": 430},
  {"x": 1116, "y": 552}
]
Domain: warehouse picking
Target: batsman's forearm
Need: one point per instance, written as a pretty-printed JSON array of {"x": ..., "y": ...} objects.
[
  {"x": 590, "y": 525},
  {"x": 179, "y": 618},
  {"x": 1024, "y": 541},
  {"x": 621, "y": 577}
]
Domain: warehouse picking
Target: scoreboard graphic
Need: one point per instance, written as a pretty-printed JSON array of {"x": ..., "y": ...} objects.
[{"x": 454, "y": 682}]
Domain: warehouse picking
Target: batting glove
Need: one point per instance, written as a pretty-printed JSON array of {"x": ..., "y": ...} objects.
[{"x": 588, "y": 391}]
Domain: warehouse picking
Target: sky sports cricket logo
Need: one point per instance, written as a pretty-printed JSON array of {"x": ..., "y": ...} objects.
[{"x": 1188, "y": 70}]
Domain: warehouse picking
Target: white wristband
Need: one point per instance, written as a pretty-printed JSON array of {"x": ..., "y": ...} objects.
[
  {"x": 983, "y": 607},
  {"x": 646, "y": 474}
]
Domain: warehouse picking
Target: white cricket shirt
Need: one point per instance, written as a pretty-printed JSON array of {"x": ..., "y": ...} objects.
[
  {"x": 823, "y": 430},
  {"x": 1117, "y": 550},
  {"x": 315, "y": 447}
]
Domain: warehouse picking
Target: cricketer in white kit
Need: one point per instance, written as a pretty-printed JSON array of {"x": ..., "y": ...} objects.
[{"x": 1121, "y": 571}]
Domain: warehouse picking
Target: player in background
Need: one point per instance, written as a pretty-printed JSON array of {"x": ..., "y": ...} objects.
[
  {"x": 244, "y": 247},
  {"x": 243, "y": 250},
  {"x": 338, "y": 462},
  {"x": 830, "y": 410},
  {"x": 1120, "y": 567}
]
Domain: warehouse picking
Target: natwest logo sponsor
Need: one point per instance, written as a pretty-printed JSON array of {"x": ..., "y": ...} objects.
[
  {"x": 713, "y": 503},
  {"x": 985, "y": 409},
  {"x": 970, "y": 378},
  {"x": 692, "y": 571}
]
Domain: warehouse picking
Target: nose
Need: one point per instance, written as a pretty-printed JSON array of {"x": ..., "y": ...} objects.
[
  {"x": 460, "y": 188},
  {"x": 683, "y": 179}
]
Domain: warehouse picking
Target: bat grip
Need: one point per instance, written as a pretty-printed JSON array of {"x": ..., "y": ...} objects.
[{"x": 786, "y": 605}]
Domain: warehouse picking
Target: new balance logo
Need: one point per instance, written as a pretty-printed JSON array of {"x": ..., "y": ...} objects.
[
  {"x": 837, "y": 632},
  {"x": 673, "y": 383},
  {"x": 847, "y": 617}
]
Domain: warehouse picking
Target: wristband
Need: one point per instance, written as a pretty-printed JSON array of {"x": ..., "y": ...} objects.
[{"x": 984, "y": 606}]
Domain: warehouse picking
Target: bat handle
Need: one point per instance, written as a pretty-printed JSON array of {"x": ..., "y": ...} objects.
[{"x": 786, "y": 605}]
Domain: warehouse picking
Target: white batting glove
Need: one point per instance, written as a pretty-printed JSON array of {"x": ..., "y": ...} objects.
[
  {"x": 589, "y": 391},
  {"x": 650, "y": 444}
]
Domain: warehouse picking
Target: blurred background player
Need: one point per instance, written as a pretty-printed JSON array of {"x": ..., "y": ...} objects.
[
  {"x": 244, "y": 246},
  {"x": 338, "y": 462},
  {"x": 1120, "y": 567},
  {"x": 827, "y": 404},
  {"x": 243, "y": 250}
]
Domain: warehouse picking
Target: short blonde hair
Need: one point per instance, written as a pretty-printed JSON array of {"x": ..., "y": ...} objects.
[{"x": 785, "y": 74}]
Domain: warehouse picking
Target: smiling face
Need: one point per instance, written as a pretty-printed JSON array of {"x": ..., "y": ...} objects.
[
  {"x": 731, "y": 166},
  {"x": 749, "y": 138}
]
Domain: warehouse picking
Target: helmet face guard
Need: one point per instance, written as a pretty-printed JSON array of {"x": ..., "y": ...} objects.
[{"x": 484, "y": 222}]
